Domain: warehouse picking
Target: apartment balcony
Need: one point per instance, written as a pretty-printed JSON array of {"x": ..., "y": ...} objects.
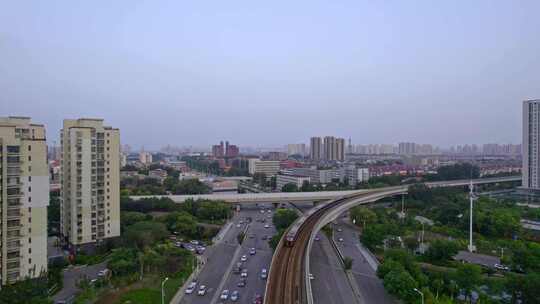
[
  {"x": 14, "y": 227},
  {"x": 13, "y": 171},
  {"x": 14, "y": 194},
  {"x": 14, "y": 235},
  {"x": 14, "y": 185},
  {"x": 13, "y": 248},
  {"x": 13, "y": 214}
]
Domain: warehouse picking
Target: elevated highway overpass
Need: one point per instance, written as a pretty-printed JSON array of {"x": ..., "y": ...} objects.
[
  {"x": 279, "y": 197},
  {"x": 288, "y": 281}
]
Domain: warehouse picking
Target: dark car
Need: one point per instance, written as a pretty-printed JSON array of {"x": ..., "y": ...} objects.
[
  {"x": 242, "y": 283},
  {"x": 258, "y": 299}
]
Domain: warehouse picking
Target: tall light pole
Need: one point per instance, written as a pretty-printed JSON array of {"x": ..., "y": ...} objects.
[
  {"x": 421, "y": 294},
  {"x": 472, "y": 197},
  {"x": 162, "y": 292}
]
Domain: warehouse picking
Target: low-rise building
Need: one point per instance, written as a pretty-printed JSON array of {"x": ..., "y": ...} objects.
[
  {"x": 268, "y": 167},
  {"x": 158, "y": 174},
  {"x": 357, "y": 175},
  {"x": 297, "y": 180}
]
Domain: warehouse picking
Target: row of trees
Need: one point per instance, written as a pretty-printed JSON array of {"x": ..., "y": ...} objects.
[
  {"x": 202, "y": 210},
  {"x": 171, "y": 184}
]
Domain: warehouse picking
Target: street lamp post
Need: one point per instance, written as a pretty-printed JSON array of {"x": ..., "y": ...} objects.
[
  {"x": 421, "y": 294},
  {"x": 162, "y": 292}
]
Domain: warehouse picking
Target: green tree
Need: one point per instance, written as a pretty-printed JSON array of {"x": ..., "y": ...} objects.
[
  {"x": 467, "y": 277},
  {"x": 290, "y": 187},
  {"x": 183, "y": 223},
  {"x": 347, "y": 263},
  {"x": 387, "y": 266},
  {"x": 362, "y": 216},
  {"x": 283, "y": 218},
  {"x": 373, "y": 236},
  {"x": 143, "y": 234},
  {"x": 441, "y": 250},
  {"x": 307, "y": 187},
  {"x": 123, "y": 261},
  {"x": 30, "y": 291},
  {"x": 240, "y": 237},
  {"x": 401, "y": 284}
]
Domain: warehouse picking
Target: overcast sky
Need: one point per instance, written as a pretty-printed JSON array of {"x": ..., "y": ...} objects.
[{"x": 268, "y": 73}]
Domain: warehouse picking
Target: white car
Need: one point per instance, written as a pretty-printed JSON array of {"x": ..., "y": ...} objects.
[
  {"x": 224, "y": 294},
  {"x": 311, "y": 277},
  {"x": 266, "y": 226},
  {"x": 191, "y": 287},
  {"x": 202, "y": 290},
  {"x": 501, "y": 267},
  {"x": 244, "y": 273},
  {"x": 235, "y": 295},
  {"x": 243, "y": 258},
  {"x": 340, "y": 239}
]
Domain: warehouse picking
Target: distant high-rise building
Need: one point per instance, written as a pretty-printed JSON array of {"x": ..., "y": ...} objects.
[
  {"x": 407, "y": 148},
  {"x": 227, "y": 150},
  {"x": 316, "y": 148},
  {"x": 145, "y": 158},
  {"x": 231, "y": 151},
  {"x": 24, "y": 197},
  {"x": 296, "y": 149},
  {"x": 531, "y": 144},
  {"x": 330, "y": 148},
  {"x": 90, "y": 182},
  {"x": 340, "y": 149}
]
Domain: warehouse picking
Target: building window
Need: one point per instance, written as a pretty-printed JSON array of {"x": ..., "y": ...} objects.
[
  {"x": 29, "y": 148},
  {"x": 29, "y": 168},
  {"x": 29, "y": 189},
  {"x": 29, "y": 261},
  {"x": 29, "y": 178},
  {"x": 30, "y": 250},
  {"x": 29, "y": 199},
  {"x": 29, "y": 158},
  {"x": 29, "y": 240},
  {"x": 29, "y": 219},
  {"x": 29, "y": 209}
]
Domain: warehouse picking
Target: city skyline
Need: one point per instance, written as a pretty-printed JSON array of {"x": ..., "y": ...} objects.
[{"x": 302, "y": 77}]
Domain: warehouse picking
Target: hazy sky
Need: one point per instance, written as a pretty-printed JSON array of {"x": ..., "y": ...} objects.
[{"x": 274, "y": 72}]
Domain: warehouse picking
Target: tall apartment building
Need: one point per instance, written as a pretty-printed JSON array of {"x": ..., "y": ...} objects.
[
  {"x": 407, "y": 148},
  {"x": 340, "y": 149},
  {"x": 24, "y": 197},
  {"x": 316, "y": 148},
  {"x": 334, "y": 148},
  {"x": 90, "y": 182},
  {"x": 330, "y": 148},
  {"x": 531, "y": 144}
]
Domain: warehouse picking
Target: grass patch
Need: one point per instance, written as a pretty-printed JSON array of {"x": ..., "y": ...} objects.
[{"x": 150, "y": 293}]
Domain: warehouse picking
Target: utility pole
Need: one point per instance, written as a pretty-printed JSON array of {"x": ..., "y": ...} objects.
[{"x": 472, "y": 197}]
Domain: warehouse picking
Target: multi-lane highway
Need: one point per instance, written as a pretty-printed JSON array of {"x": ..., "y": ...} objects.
[
  {"x": 257, "y": 237},
  {"x": 329, "y": 283},
  {"x": 364, "y": 266},
  {"x": 221, "y": 257}
]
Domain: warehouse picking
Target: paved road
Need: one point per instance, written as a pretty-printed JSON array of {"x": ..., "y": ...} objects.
[
  {"x": 255, "y": 263},
  {"x": 364, "y": 267},
  {"x": 330, "y": 284},
  {"x": 72, "y": 275},
  {"x": 219, "y": 258}
]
